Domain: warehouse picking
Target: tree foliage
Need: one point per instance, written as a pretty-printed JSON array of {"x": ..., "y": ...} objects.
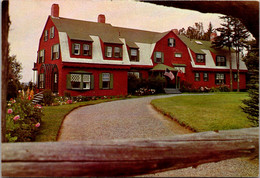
[
  {"x": 197, "y": 31},
  {"x": 252, "y": 104},
  {"x": 14, "y": 77}
]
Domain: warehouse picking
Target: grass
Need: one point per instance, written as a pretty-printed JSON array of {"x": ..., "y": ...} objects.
[
  {"x": 219, "y": 111},
  {"x": 54, "y": 115}
]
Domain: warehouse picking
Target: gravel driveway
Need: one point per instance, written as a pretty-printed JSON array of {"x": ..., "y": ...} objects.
[{"x": 136, "y": 118}]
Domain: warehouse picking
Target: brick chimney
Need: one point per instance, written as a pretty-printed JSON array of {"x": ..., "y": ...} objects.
[
  {"x": 176, "y": 31},
  {"x": 55, "y": 10},
  {"x": 213, "y": 36},
  {"x": 101, "y": 18}
]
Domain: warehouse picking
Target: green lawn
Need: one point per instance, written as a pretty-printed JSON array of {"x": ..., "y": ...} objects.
[
  {"x": 54, "y": 115},
  {"x": 219, "y": 111}
]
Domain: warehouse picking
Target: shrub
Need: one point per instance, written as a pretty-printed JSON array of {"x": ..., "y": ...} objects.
[
  {"x": 134, "y": 84},
  {"x": 48, "y": 97},
  {"x": 22, "y": 120},
  {"x": 156, "y": 83}
]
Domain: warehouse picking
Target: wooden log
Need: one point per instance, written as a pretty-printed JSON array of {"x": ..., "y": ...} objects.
[{"x": 126, "y": 157}]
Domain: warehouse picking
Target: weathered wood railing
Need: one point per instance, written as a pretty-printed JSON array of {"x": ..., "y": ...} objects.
[{"x": 126, "y": 157}]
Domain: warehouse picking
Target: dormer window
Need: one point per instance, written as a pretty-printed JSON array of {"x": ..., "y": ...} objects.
[
  {"x": 75, "y": 48},
  {"x": 117, "y": 52},
  {"x": 86, "y": 50},
  {"x": 171, "y": 42},
  {"x": 55, "y": 52},
  {"x": 52, "y": 32},
  {"x": 109, "y": 51},
  {"x": 220, "y": 61},
  {"x": 158, "y": 57},
  {"x": 134, "y": 55},
  {"x": 45, "y": 35},
  {"x": 41, "y": 56},
  {"x": 200, "y": 58}
]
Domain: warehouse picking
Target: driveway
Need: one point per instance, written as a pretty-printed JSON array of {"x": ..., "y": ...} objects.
[
  {"x": 136, "y": 118},
  {"x": 132, "y": 118}
]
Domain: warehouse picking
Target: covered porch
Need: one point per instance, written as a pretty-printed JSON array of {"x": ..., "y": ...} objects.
[{"x": 171, "y": 86}]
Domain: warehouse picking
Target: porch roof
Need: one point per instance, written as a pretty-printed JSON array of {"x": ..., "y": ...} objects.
[{"x": 162, "y": 67}]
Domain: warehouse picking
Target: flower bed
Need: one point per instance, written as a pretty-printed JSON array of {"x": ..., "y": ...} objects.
[{"x": 23, "y": 119}]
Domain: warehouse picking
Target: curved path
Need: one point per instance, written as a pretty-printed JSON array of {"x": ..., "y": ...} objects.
[
  {"x": 132, "y": 118},
  {"x": 136, "y": 118}
]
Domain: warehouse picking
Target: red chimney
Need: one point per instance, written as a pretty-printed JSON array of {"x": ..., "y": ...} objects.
[
  {"x": 176, "y": 31},
  {"x": 55, "y": 10},
  {"x": 213, "y": 36},
  {"x": 101, "y": 18}
]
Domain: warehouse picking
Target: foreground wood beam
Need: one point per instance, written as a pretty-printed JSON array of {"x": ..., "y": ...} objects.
[{"x": 126, "y": 157}]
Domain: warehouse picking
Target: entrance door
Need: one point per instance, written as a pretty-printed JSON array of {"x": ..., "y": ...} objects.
[{"x": 55, "y": 82}]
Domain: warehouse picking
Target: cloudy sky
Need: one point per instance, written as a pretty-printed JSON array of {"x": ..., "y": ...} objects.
[{"x": 28, "y": 18}]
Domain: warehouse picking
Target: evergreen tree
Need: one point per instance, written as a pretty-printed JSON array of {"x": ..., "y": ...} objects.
[
  {"x": 252, "y": 104},
  {"x": 208, "y": 33},
  {"x": 240, "y": 35},
  {"x": 226, "y": 40}
]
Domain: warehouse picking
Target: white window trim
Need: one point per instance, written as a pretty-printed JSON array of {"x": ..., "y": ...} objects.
[
  {"x": 76, "y": 48},
  {"x": 52, "y": 32},
  {"x": 109, "y": 51}
]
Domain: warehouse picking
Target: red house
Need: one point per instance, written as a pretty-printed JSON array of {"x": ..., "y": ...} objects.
[{"x": 95, "y": 58}]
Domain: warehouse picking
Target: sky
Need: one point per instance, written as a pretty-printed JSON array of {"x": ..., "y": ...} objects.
[{"x": 28, "y": 18}]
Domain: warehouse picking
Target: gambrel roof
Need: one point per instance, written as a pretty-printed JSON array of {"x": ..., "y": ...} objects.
[{"x": 81, "y": 30}]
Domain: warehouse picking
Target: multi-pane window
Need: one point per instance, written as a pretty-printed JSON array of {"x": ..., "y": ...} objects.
[
  {"x": 205, "y": 76},
  {"x": 158, "y": 57},
  {"x": 220, "y": 78},
  {"x": 136, "y": 74},
  {"x": 41, "y": 81},
  {"x": 52, "y": 32},
  {"x": 200, "y": 58},
  {"x": 86, "y": 81},
  {"x": 75, "y": 81},
  {"x": 180, "y": 69},
  {"x": 220, "y": 61},
  {"x": 134, "y": 55},
  {"x": 197, "y": 76},
  {"x": 86, "y": 50},
  {"x": 235, "y": 77},
  {"x": 117, "y": 52},
  {"x": 109, "y": 51},
  {"x": 55, "y": 51},
  {"x": 80, "y": 81},
  {"x": 45, "y": 35},
  {"x": 105, "y": 80},
  {"x": 55, "y": 78},
  {"x": 41, "y": 56},
  {"x": 171, "y": 42},
  {"x": 76, "y": 49},
  {"x": 178, "y": 55}
]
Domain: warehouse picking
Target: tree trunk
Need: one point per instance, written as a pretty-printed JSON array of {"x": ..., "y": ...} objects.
[
  {"x": 4, "y": 69},
  {"x": 230, "y": 71},
  {"x": 238, "y": 76}
]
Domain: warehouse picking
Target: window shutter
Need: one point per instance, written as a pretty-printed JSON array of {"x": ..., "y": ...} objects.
[
  {"x": 138, "y": 56},
  {"x": 58, "y": 51},
  {"x": 43, "y": 59},
  {"x": 90, "y": 49},
  {"x": 169, "y": 42},
  {"x": 100, "y": 81},
  {"x": 162, "y": 57},
  {"x": 91, "y": 81},
  {"x": 140, "y": 75},
  {"x": 173, "y": 42},
  {"x": 111, "y": 81},
  {"x": 120, "y": 53},
  {"x": 72, "y": 48},
  {"x": 68, "y": 81},
  {"x": 105, "y": 51},
  {"x": 51, "y": 53},
  {"x": 154, "y": 56},
  {"x": 38, "y": 56}
]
